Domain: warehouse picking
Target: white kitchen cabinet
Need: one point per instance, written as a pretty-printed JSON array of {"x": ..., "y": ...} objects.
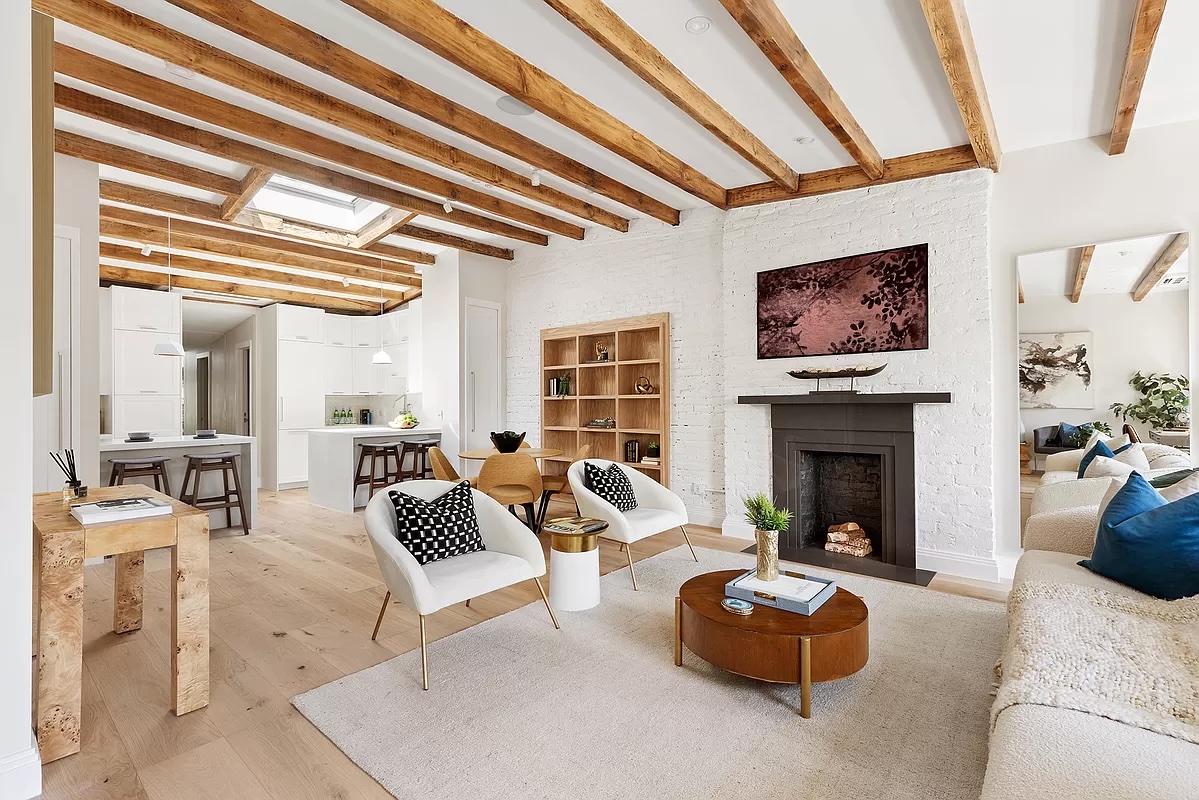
[
  {"x": 339, "y": 369},
  {"x": 146, "y": 310},
  {"x": 135, "y": 368},
  {"x": 161, "y": 415},
  {"x": 300, "y": 324},
  {"x": 292, "y": 457},
  {"x": 301, "y": 384},
  {"x": 338, "y": 330},
  {"x": 393, "y": 328},
  {"x": 368, "y": 377},
  {"x": 366, "y": 331},
  {"x": 395, "y": 374}
]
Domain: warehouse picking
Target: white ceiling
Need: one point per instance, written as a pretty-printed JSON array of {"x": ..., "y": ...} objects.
[
  {"x": 1051, "y": 70},
  {"x": 204, "y": 323},
  {"x": 1116, "y": 268}
]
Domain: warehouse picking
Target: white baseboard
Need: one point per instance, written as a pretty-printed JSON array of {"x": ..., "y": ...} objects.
[
  {"x": 706, "y": 518},
  {"x": 293, "y": 485},
  {"x": 737, "y": 527},
  {"x": 21, "y": 773},
  {"x": 963, "y": 566}
]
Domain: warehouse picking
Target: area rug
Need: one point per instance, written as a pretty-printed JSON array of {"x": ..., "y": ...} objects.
[{"x": 598, "y": 709}]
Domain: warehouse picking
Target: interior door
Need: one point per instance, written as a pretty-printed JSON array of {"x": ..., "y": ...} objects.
[
  {"x": 483, "y": 374},
  {"x": 53, "y": 414}
]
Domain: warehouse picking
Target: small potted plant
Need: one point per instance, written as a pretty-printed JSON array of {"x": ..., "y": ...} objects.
[
  {"x": 564, "y": 385},
  {"x": 767, "y": 521},
  {"x": 1164, "y": 403},
  {"x": 652, "y": 450}
]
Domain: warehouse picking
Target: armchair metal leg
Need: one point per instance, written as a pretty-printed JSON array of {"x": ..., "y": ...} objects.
[
  {"x": 621, "y": 550},
  {"x": 468, "y": 602},
  {"x": 628, "y": 551},
  {"x": 382, "y": 611},
  {"x": 424, "y": 657},
  {"x": 683, "y": 528},
  {"x": 546, "y": 600}
]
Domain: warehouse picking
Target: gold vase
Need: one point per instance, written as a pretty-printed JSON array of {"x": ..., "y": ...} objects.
[{"x": 768, "y": 555}]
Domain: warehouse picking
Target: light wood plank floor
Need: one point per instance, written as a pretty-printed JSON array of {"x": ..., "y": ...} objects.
[{"x": 293, "y": 605}]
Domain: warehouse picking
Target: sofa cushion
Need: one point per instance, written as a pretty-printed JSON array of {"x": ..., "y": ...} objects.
[
  {"x": 1114, "y": 443},
  {"x": 1179, "y": 489},
  {"x": 440, "y": 528},
  {"x": 1096, "y": 450},
  {"x": 1148, "y": 544},
  {"x": 610, "y": 484}
]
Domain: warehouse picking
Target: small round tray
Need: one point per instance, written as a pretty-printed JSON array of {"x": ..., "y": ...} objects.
[{"x": 734, "y": 605}]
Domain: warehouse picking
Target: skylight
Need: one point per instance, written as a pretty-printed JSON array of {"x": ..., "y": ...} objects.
[{"x": 320, "y": 205}]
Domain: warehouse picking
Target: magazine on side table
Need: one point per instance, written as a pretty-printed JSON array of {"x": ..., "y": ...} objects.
[{"x": 118, "y": 510}]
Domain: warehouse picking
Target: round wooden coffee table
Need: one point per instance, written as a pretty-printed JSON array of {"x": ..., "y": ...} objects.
[{"x": 769, "y": 644}]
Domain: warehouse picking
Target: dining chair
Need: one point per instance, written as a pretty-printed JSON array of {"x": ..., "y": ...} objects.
[
  {"x": 512, "y": 479},
  {"x": 558, "y": 484},
  {"x": 513, "y": 555},
  {"x": 658, "y": 509},
  {"x": 443, "y": 468}
]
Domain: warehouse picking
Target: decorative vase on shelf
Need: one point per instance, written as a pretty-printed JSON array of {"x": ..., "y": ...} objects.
[{"x": 768, "y": 555}]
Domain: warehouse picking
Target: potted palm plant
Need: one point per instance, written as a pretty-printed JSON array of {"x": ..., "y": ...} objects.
[
  {"x": 1164, "y": 404},
  {"x": 767, "y": 520}
]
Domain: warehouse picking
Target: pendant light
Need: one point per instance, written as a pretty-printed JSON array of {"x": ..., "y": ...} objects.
[
  {"x": 168, "y": 346},
  {"x": 381, "y": 356}
]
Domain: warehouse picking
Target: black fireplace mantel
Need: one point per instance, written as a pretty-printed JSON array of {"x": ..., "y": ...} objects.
[{"x": 845, "y": 398}]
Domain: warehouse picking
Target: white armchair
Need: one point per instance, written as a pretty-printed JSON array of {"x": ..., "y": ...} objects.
[
  {"x": 658, "y": 509},
  {"x": 513, "y": 555}
]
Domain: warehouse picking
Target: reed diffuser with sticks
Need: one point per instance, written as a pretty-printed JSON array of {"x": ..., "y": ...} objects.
[{"x": 73, "y": 487}]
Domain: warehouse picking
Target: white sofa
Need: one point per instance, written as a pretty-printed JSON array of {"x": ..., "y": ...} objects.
[
  {"x": 1162, "y": 458},
  {"x": 1056, "y": 754}
]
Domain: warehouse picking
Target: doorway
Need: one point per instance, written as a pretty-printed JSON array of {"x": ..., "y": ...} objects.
[
  {"x": 203, "y": 392},
  {"x": 483, "y": 372}
]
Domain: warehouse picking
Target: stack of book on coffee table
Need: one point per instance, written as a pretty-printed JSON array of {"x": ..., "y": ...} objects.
[{"x": 800, "y": 594}]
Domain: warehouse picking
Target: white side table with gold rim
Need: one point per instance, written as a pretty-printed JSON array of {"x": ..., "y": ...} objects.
[{"x": 574, "y": 570}]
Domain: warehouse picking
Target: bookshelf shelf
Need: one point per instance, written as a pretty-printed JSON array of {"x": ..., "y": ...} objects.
[{"x": 637, "y": 348}]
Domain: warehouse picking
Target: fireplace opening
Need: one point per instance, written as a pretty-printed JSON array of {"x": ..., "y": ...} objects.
[{"x": 836, "y": 488}]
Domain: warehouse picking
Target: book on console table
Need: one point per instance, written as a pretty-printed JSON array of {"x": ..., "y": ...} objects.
[
  {"x": 118, "y": 510},
  {"x": 799, "y": 594},
  {"x": 575, "y": 525}
]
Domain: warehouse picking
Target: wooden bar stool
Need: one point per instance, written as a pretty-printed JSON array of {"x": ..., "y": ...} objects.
[
  {"x": 149, "y": 467},
  {"x": 377, "y": 450},
  {"x": 224, "y": 462},
  {"x": 420, "y": 454}
]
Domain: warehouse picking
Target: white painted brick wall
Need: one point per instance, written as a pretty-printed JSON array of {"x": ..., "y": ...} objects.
[
  {"x": 650, "y": 269},
  {"x": 953, "y": 442},
  {"x": 703, "y": 271}
]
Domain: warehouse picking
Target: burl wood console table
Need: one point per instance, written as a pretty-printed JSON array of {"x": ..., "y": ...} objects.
[{"x": 60, "y": 544}]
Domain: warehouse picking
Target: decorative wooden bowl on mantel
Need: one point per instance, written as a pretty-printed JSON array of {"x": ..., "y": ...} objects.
[{"x": 824, "y": 373}]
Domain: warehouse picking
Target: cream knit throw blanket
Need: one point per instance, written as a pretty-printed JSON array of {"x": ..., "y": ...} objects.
[{"x": 1133, "y": 660}]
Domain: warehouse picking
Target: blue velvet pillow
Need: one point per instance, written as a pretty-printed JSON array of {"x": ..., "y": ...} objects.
[
  {"x": 1074, "y": 435},
  {"x": 1100, "y": 449},
  {"x": 1148, "y": 544}
]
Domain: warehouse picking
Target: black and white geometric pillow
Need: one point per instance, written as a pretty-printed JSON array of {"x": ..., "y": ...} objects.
[
  {"x": 611, "y": 484},
  {"x": 440, "y": 528}
]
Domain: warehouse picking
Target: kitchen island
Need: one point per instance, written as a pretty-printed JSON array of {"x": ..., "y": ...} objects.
[
  {"x": 175, "y": 448},
  {"x": 333, "y": 455}
]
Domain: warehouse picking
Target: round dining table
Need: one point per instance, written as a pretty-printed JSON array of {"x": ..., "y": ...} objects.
[{"x": 533, "y": 452}]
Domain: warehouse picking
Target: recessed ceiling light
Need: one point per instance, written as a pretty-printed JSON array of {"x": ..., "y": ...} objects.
[
  {"x": 805, "y": 139},
  {"x": 510, "y": 105},
  {"x": 698, "y": 25},
  {"x": 182, "y": 72}
]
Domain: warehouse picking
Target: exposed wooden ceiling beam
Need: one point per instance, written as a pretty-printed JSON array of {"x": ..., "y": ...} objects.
[
  {"x": 116, "y": 192},
  {"x": 1080, "y": 272},
  {"x": 139, "y": 277},
  {"x": 1174, "y": 250},
  {"x": 120, "y": 223},
  {"x": 950, "y": 29},
  {"x": 278, "y": 33},
  {"x": 306, "y": 256},
  {"x": 449, "y": 240},
  {"x": 919, "y": 165},
  {"x": 254, "y": 179},
  {"x": 768, "y": 28},
  {"x": 214, "y": 144},
  {"x": 1146, "y": 20},
  {"x": 271, "y": 30},
  {"x": 114, "y": 155},
  {"x": 605, "y": 27},
  {"x": 440, "y": 32},
  {"x": 381, "y": 227},
  {"x": 148, "y": 89},
  {"x": 241, "y": 272}
]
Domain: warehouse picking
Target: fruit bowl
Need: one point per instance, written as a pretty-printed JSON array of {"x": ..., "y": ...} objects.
[{"x": 508, "y": 441}]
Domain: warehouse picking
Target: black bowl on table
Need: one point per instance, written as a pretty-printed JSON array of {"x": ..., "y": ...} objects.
[{"x": 508, "y": 441}]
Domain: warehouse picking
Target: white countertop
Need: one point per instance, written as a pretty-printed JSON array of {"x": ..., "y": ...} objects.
[
  {"x": 111, "y": 443},
  {"x": 354, "y": 431}
]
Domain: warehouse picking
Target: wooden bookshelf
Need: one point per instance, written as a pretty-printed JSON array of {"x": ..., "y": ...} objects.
[{"x": 637, "y": 347}]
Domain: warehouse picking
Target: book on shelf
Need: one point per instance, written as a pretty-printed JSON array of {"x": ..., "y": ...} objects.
[
  {"x": 575, "y": 525},
  {"x": 117, "y": 510},
  {"x": 653, "y": 462}
]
